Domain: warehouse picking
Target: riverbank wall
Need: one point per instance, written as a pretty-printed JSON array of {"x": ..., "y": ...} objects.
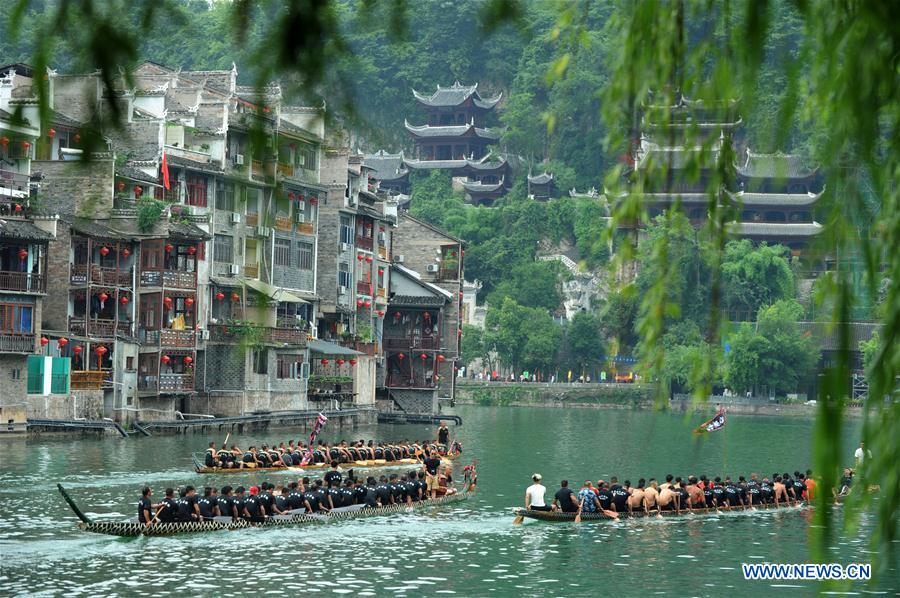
[{"x": 617, "y": 396}]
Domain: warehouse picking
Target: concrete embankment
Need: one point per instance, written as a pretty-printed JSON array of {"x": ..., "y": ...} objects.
[{"x": 616, "y": 396}]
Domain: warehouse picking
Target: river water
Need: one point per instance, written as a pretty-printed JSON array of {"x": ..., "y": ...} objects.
[{"x": 471, "y": 550}]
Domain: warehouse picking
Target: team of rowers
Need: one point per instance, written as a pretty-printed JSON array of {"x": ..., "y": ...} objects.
[
  {"x": 331, "y": 492},
  {"x": 675, "y": 494},
  {"x": 291, "y": 454}
]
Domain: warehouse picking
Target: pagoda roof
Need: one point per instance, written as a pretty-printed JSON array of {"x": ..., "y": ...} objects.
[
  {"x": 675, "y": 157},
  {"x": 387, "y": 167},
  {"x": 777, "y": 165},
  {"x": 482, "y": 166},
  {"x": 451, "y": 131},
  {"x": 20, "y": 229},
  {"x": 541, "y": 179},
  {"x": 479, "y": 187},
  {"x": 776, "y": 199},
  {"x": 455, "y": 95},
  {"x": 776, "y": 229}
]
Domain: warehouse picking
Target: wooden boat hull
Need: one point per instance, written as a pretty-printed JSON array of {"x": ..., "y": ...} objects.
[
  {"x": 368, "y": 464},
  {"x": 559, "y": 516},
  {"x": 132, "y": 528}
]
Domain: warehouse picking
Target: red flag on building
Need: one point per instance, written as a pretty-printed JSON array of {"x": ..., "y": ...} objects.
[{"x": 165, "y": 171}]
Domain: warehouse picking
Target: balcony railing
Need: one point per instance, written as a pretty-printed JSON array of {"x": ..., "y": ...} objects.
[
  {"x": 382, "y": 252},
  {"x": 306, "y": 228},
  {"x": 364, "y": 243},
  {"x": 100, "y": 327},
  {"x": 166, "y": 383},
  {"x": 24, "y": 282},
  {"x": 172, "y": 279},
  {"x": 283, "y": 223},
  {"x": 448, "y": 273},
  {"x": 223, "y": 333},
  {"x": 382, "y": 292},
  {"x": 405, "y": 343},
  {"x": 11, "y": 342},
  {"x": 251, "y": 270},
  {"x": 370, "y": 349},
  {"x": 285, "y": 169},
  {"x": 88, "y": 379},
  {"x": 14, "y": 180},
  {"x": 364, "y": 288},
  {"x": 252, "y": 219},
  {"x": 100, "y": 275},
  {"x": 189, "y": 154},
  {"x": 170, "y": 338}
]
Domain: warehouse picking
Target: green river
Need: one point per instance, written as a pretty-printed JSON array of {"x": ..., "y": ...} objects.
[{"x": 470, "y": 549}]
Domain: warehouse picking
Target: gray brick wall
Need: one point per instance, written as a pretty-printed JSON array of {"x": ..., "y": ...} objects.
[
  {"x": 13, "y": 378},
  {"x": 82, "y": 189},
  {"x": 225, "y": 367},
  {"x": 138, "y": 140},
  {"x": 56, "y": 302}
]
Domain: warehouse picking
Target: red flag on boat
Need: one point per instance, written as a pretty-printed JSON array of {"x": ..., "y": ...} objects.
[
  {"x": 165, "y": 171},
  {"x": 320, "y": 423},
  {"x": 712, "y": 425}
]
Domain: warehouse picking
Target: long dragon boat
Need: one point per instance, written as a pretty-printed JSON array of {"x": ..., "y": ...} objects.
[
  {"x": 559, "y": 516},
  {"x": 200, "y": 467},
  {"x": 134, "y": 528}
]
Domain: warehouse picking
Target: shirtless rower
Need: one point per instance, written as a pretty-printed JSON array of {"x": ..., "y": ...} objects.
[
  {"x": 667, "y": 500},
  {"x": 636, "y": 499},
  {"x": 781, "y": 495},
  {"x": 651, "y": 496},
  {"x": 697, "y": 500}
]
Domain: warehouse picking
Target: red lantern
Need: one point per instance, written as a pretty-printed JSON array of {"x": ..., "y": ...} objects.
[
  {"x": 77, "y": 138},
  {"x": 381, "y": 229},
  {"x": 324, "y": 362},
  {"x": 51, "y": 133},
  {"x": 191, "y": 250},
  {"x": 101, "y": 350},
  {"x": 368, "y": 303},
  {"x": 301, "y": 197},
  {"x": 121, "y": 185},
  {"x": 169, "y": 247},
  {"x": 380, "y": 313},
  {"x": 44, "y": 341},
  {"x": 360, "y": 257},
  {"x": 166, "y": 359},
  {"x": 290, "y": 195},
  {"x": 340, "y": 362},
  {"x": 25, "y": 145},
  {"x": 461, "y": 295},
  {"x": 369, "y": 259},
  {"x": 401, "y": 356},
  {"x": 220, "y": 295},
  {"x": 18, "y": 207},
  {"x": 104, "y": 251},
  {"x": 23, "y": 254},
  {"x": 397, "y": 315},
  {"x": 4, "y": 141},
  {"x": 423, "y": 357},
  {"x": 380, "y": 271},
  {"x": 168, "y": 302},
  {"x": 188, "y": 360},
  {"x": 62, "y": 342},
  {"x": 235, "y": 297},
  {"x": 441, "y": 358},
  {"x": 103, "y": 297},
  {"x": 189, "y": 301},
  {"x": 352, "y": 362},
  {"x": 123, "y": 300},
  {"x": 126, "y": 252},
  {"x": 313, "y": 200},
  {"x": 359, "y": 303},
  {"x": 77, "y": 349},
  {"x": 138, "y": 191}
]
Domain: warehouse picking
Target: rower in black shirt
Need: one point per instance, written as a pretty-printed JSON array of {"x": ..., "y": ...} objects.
[
  {"x": 443, "y": 434},
  {"x": 619, "y": 495},
  {"x": 211, "y": 459},
  {"x": 383, "y": 492},
  {"x": 604, "y": 496},
  {"x": 371, "y": 497},
  {"x": 281, "y": 506},
  {"x": 312, "y": 500},
  {"x": 322, "y": 497},
  {"x": 718, "y": 490},
  {"x": 167, "y": 508},
  {"x": 799, "y": 485},
  {"x": 708, "y": 496},
  {"x": 252, "y": 508},
  {"x": 333, "y": 477},
  {"x": 208, "y": 505},
  {"x": 359, "y": 492},
  {"x": 766, "y": 492},
  {"x": 265, "y": 497},
  {"x": 348, "y": 494},
  {"x": 732, "y": 495},
  {"x": 226, "y": 502},
  {"x": 145, "y": 506},
  {"x": 337, "y": 497},
  {"x": 187, "y": 507}
]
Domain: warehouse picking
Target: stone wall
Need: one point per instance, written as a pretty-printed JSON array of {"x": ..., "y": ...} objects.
[
  {"x": 13, "y": 378},
  {"x": 77, "y": 188},
  {"x": 225, "y": 367},
  {"x": 138, "y": 140},
  {"x": 56, "y": 302},
  {"x": 364, "y": 381},
  {"x": 86, "y": 404}
]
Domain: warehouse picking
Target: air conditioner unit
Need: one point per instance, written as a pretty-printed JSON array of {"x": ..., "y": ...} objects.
[
  {"x": 343, "y": 290},
  {"x": 382, "y": 237},
  {"x": 238, "y": 159},
  {"x": 345, "y": 246},
  {"x": 399, "y": 259},
  {"x": 301, "y": 218},
  {"x": 235, "y": 218},
  {"x": 432, "y": 267},
  {"x": 204, "y": 334},
  {"x": 234, "y": 269},
  {"x": 262, "y": 231}
]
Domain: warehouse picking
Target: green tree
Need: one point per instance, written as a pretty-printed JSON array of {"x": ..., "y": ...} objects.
[
  {"x": 535, "y": 284},
  {"x": 472, "y": 345},
  {"x": 584, "y": 340},
  {"x": 522, "y": 336},
  {"x": 753, "y": 277}
]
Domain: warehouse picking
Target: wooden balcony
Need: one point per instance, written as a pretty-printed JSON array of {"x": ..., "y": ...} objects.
[
  {"x": 12, "y": 342},
  {"x": 364, "y": 243},
  {"x": 252, "y": 219},
  {"x": 306, "y": 228},
  {"x": 14, "y": 180},
  {"x": 370, "y": 349},
  {"x": 285, "y": 170},
  {"x": 405, "y": 343},
  {"x": 22, "y": 282},
  {"x": 251, "y": 270},
  {"x": 383, "y": 253},
  {"x": 88, "y": 379},
  {"x": 267, "y": 335},
  {"x": 166, "y": 383},
  {"x": 364, "y": 288},
  {"x": 170, "y": 338},
  {"x": 170, "y": 279},
  {"x": 109, "y": 277},
  {"x": 283, "y": 223},
  {"x": 100, "y": 327}
]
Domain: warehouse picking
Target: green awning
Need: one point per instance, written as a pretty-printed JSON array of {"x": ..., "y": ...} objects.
[
  {"x": 272, "y": 292},
  {"x": 326, "y": 348}
]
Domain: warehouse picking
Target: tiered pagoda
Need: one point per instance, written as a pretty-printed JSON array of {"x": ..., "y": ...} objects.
[{"x": 777, "y": 192}]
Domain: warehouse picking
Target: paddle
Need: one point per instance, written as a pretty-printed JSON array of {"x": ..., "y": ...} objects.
[
  {"x": 519, "y": 519},
  {"x": 578, "y": 515}
]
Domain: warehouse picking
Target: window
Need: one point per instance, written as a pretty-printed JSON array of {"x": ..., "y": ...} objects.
[
  {"x": 16, "y": 319},
  {"x": 223, "y": 249},
  {"x": 344, "y": 275},
  {"x": 289, "y": 366},
  {"x": 226, "y": 195},
  {"x": 152, "y": 255},
  {"x": 304, "y": 255},
  {"x": 282, "y": 252},
  {"x": 306, "y": 157},
  {"x": 260, "y": 361},
  {"x": 196, "y": 191},
  {"x": 253, "y": 197},
  {"x": 346, "y": 230}
]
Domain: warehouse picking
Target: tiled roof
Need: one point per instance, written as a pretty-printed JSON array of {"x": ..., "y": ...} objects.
[
  {"x": 790, "y": 166},
  {"x": 20, "y": 229},
  {"x": 129, "y": 172},
  {"x": 450, "y": 131},
  {"x": 455, "y": 95},
  {"x": 387, "y": 167},
  {"x": 479, "y": 187},
  {"x": 187, "y": 231},
  {"x": 776, "y": 199},
  {"x": 828, "y": 335},
  {"x": 541, "y": 179},
  {"x": 776, "y": 229}
]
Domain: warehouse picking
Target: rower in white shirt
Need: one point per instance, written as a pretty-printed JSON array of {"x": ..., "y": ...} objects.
[{"x": 534, "y": 495}]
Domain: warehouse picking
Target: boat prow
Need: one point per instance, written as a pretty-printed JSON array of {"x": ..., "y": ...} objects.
[{"x": 559, "y": 516}]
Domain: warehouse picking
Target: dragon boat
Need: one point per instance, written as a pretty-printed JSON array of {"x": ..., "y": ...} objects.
[
  {"x": 559, "y": 516},
  {"x": 133, "y": 528},
  {"x": 200, "y": 467}
]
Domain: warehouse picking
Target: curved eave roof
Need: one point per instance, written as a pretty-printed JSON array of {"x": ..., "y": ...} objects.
[
  {"x": 541, "y": 179},
  {"x": 450, "y": 131},
  {"x": 434, "y": 164},
  {"x": 455, "y": 95},
  {"x": 779, "y": 166},
  {"x": 776, "y": 229},
  {"x": 477, "y": 187},
  {"x": 777, "y": 199}
]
